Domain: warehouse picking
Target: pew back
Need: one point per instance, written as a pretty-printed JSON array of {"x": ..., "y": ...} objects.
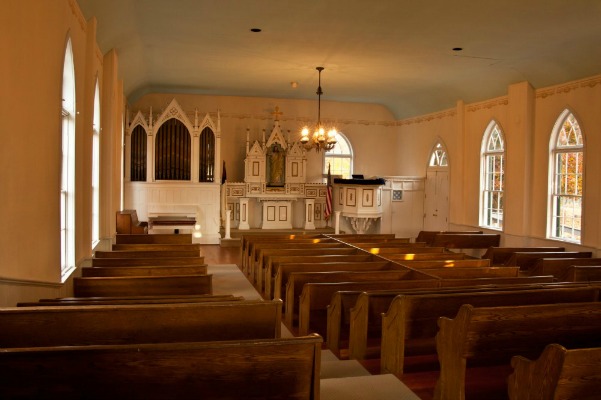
[
  {"x": 267, "y": 369},
  {"x": 155, "y": 238},
  {"x": 143, "y": 271},
  {"x": 494, "y": 334},
  {"x": 147, "y": 323},
  {"x": 414, "y": 318},
  {"x": 142, "y": 285}
]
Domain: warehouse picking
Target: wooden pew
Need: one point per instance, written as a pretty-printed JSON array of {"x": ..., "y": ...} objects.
[
  {"x": 394, "y": 255},
  {"x": 267, "y": 369},
  {"x": 141, "y": 323},
  {"x": 500, "y": 255},
  {"x": 285, "y": 269},
  {"x": 297, "y": 280},
  {"x": 148, "y": 262},
  {"x": 409, "y": 326},
  {"x": 125, "y": 300},
  {"x": 147, "y": 254},
  {"x": 156, "y": 238},
  {"x": 491, "y": 335},
  {"x": 142, "y": 285},
  {"x": 429, "y": 264},
  {"x": 127, "y": 222},
  {"x": 427, "y": 237},
  {"x": 471, "y": 272},
  {"x": 583, "y": 273},
  {"x": 344, "y": 299},
  {"x": 466, "y": 240},
  {"x": 526, "y": 260},
  {"x": 247, "y": 246},
  {"x": 158, "y": 246},
  {"x": 249, "y": 243},
  {"x": 558, "y": 373},
  {"x": 350, "y": 237},
  {"x": 143, "y": 271},
  {"x": 258, "y": 268},
  {"x": 559, "y": 266},
  {"x": 274, "y": 261},
  {"x": 403, "y": 248}
]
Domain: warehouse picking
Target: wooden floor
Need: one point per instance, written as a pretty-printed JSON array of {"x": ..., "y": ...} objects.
[{"x": 215, "y": 254}]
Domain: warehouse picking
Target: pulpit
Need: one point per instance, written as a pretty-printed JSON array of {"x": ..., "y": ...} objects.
[{"x": 360, "y": 201}]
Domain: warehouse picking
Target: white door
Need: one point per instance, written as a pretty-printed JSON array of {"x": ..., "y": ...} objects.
[{"x": 436, "y": 202}]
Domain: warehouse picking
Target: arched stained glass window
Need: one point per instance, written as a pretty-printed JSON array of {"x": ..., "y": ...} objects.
[
  {"x": 566, "y": 180},
  {"x": 492, "y": 177}
]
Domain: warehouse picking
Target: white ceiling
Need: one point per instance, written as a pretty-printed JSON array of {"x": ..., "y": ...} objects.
[{"x": 397, "y": 53}]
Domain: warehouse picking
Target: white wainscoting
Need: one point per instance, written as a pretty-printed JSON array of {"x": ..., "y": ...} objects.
[{"x": 174, "y": 195}]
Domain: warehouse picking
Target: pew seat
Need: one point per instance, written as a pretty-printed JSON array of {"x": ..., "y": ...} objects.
[
  {"x": 155, "y": 238},
  {"x": 143, "y": 271}
]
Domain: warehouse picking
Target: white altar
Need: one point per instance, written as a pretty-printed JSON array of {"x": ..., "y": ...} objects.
[{"x": 275, "y": 194}]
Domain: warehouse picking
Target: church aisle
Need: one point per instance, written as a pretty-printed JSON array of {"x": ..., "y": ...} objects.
[{"x": 340, "y": 379}]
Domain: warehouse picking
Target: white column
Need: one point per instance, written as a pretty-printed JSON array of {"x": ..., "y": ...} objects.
[
  {"x": 309, "y": 213},
  {"x": 228, "y": 214},
  {"x": 244, "y": 213},
  {"x": 337, "y": 223}
]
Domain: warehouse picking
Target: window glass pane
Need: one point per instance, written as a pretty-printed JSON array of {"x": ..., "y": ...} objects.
[
  {"x": 566, "y": 199},
  {"x": 438, "y": 157},
  {"x": 493, "y": 179}
]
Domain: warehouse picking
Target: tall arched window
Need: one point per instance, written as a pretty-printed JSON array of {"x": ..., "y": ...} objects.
[
  {"x": 67, "y": 189},
  {"x": 566, "y": 183},
  {"x": 96, "y": 168},
  {"x": 340, "y": 158},
  {"x": 206, "y": 171},
  {"x": 492, "y": 179},
  {"x": 138, "y": 155},
  {"x": 173, "y": 151}
]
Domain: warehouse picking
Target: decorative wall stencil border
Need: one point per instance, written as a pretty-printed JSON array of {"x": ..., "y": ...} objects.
[
  {"x": 427, "y": 118},
  {"x": 500, "y": 101},
  {"x": 567, "y": 87}
]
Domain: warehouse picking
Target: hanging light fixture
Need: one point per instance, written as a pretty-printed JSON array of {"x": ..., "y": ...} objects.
[{"x": 320, "y": 140}]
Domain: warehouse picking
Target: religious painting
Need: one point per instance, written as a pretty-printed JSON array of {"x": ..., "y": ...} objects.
[{"x": 276, "y": 165}]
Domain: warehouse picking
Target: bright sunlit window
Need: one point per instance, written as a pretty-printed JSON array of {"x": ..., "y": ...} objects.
[
  {"x": 492, "y": 177},
  {"x": 566, "y": 183},
  {"x": 340, "y": 158}
]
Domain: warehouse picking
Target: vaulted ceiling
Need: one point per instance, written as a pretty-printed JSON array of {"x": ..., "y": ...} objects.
[{"x": 398, "y": 53}]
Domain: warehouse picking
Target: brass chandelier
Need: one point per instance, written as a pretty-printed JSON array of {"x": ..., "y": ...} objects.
[{"x": 320, "y": 140}]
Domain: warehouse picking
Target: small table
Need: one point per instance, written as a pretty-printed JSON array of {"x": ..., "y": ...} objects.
[{"x": 174, "y": 222}]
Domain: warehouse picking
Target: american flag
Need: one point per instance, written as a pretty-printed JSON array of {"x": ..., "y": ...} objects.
[{"x": 328, "y": 210}]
